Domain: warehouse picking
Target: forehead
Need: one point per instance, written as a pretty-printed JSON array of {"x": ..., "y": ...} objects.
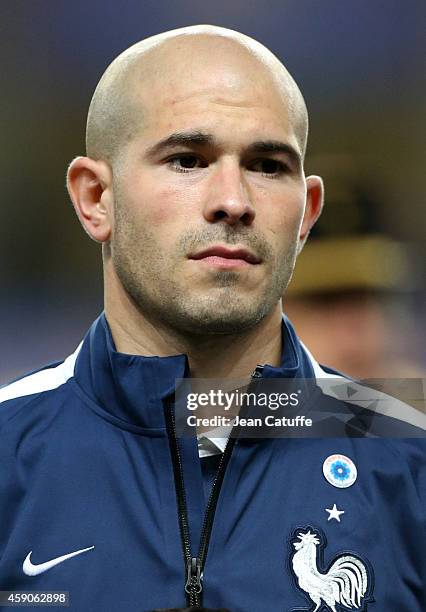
[{"x": 224, "y": 88}]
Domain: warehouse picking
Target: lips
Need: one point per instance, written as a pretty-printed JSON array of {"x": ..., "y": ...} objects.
[{"x": 227, "y": 253}]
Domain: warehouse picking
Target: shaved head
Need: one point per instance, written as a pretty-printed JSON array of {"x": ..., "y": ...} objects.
[
  {"x": 194, "y": 182},
  {"x": 116, "y": 112}
]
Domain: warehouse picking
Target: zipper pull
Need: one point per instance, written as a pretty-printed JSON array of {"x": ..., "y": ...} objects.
[
  {"x": 258, "y": 372},
  {"x": 193, "y": 576}
]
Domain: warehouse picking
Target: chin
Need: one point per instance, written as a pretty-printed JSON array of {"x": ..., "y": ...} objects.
[{"x": 214, "y": 322}]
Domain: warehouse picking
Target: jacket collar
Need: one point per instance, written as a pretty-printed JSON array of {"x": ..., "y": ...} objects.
[{"x": 131, "y": 388}]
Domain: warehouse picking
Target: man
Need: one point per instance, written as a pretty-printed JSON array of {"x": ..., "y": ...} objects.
[{"x": 194, "y": 185}]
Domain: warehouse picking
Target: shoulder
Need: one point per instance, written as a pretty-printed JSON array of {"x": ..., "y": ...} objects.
[
  {"x": 372, "y": 407},
  {"x": 34, "y": 385}
]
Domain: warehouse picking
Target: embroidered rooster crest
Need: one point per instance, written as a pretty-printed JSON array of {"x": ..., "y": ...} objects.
[{"x": 346, "y": 584}]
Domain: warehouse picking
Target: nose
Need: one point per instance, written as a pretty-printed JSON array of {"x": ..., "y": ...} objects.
[{"x": 228, "y": 197}]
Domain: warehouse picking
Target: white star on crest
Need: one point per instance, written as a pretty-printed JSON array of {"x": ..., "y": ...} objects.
[{"x": 334, "y": 513}]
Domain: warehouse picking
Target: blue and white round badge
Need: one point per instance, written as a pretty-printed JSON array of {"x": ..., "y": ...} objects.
[{"x": 339, "y": 471}]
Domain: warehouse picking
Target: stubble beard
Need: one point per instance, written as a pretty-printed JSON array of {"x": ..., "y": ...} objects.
[{"x": 149, "y": 280}]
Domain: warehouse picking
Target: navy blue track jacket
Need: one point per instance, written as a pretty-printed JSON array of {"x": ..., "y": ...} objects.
[{"x": 87, "y": 467}]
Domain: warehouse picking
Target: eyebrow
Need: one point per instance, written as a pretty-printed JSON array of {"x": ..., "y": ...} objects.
[
  {"x": 276, "y": 146},
  {"x": 198, "y": 138},
  {"x": 180, "y": 139}
]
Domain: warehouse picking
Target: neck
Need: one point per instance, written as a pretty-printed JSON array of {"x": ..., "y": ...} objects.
[{"x": 210, "y": 356}]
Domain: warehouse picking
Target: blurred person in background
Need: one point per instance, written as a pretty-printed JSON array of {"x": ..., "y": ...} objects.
[
  {"x": 351, "y": 297},
  {"x": 194, "y": 185}
]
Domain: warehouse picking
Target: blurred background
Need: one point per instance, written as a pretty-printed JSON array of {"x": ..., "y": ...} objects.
[{"x": 357, "y": 297}]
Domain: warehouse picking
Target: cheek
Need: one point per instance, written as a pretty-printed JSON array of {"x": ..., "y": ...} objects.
[
  {"x": 284, "y": 219},
  {"x": 166, "y": 206}
]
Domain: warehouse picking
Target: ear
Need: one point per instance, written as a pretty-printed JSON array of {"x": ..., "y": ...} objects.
[
  {"x": 313, "y": 208},
  {"x": 89, "y": 184}
]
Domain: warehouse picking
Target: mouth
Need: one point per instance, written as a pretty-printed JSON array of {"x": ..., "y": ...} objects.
[{"x": 225, "y": 257}]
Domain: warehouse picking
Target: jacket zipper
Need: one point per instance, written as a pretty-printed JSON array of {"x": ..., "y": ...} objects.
[{"x": 194, "y": 566}]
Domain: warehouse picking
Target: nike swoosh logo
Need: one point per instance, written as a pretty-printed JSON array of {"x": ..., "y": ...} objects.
[{"x": 34, "y": 570}]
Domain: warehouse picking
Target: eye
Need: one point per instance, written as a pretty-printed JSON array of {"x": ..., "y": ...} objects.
[
  {"x": 186, "y": 162},
  {"x": 268, "y": 167}
]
